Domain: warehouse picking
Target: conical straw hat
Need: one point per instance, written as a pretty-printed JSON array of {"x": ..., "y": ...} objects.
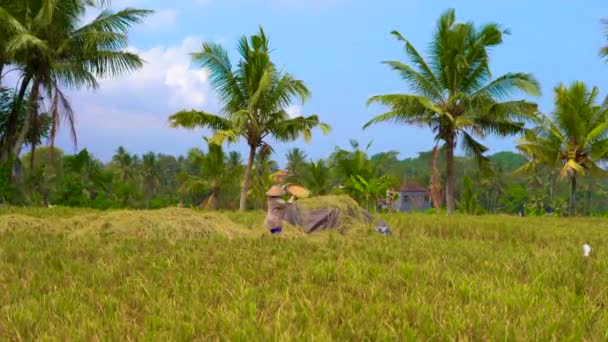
[
  {"x": 297, "y": 190},
  {"x": 275, "y": 191}
]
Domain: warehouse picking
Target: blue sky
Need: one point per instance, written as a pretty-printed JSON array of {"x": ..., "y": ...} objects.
[{"x": 336, "y": 47}]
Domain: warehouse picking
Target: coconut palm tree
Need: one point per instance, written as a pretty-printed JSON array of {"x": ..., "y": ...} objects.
[
  {"x": 455, "y": 94},
  {"x": 317, "y": 177},
  {"x": 217, "y": 171},
  {"x": 151, "y": 175},
  {"x": 255, "y": 96},
  {"x": 574, "y": 140},
  {"x": 371, "y": 190},
  {"x": 54, "y": 53},
  {"x": 346, "y": 164},
  {"x": 124, "y": 164},
  {"x": 296, "y": 162}
]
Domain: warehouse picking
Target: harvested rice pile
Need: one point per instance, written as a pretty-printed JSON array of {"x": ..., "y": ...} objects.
[
  {"x": 171, "y": 223},
  {"x": 341, "y": 213}
]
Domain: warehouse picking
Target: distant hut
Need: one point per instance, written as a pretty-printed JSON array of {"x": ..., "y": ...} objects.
[{"x": 412, "y": 197}]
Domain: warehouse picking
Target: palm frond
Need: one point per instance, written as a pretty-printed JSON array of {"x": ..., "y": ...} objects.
[
  {"x": 474, "y": 149},
  {"x": 215, "y": 58},
  {"x": 193, "y": 119},
  {"x": 291, "y": 129},
  {"x": 193, "y": 185},
  {"x": 112, "y": 63},
  {"x": 10, "y": 24},
  {"x": 118, "y": 22},
  {"x": 510, "y": 84},
  {"x": 419, "y": 83},
  {"x": 24, "y": 42},
  {"x": 219, "y": 137}
]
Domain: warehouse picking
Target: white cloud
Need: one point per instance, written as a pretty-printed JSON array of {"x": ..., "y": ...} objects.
[
  {"x": 132, "y": 110},
  {"x": 161, "y": 19},
  {"x": 166, "y": 80},
  {"x": 294, "y": 111}
]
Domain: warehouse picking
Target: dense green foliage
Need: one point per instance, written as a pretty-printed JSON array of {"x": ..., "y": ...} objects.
[
  {"x": 460, "y": 277},
  {"x": 207, "y": 178}
]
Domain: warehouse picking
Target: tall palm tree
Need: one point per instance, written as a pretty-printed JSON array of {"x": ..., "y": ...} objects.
[
  {"x": 151, "y": 175},
  {"x": 255, "y": 96},
  {"x": 574, "y": 140},
  {"x": 454, "y": 93},
  {"x": 53, "y": 52}
]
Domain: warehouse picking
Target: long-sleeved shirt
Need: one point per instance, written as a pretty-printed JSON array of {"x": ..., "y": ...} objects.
[{"x": 276, "y": 208}]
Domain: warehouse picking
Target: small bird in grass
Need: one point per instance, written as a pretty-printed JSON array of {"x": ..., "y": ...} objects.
[{"x": 586, "y": 250}]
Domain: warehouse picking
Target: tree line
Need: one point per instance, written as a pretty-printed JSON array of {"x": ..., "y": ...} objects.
[
  {"x": 206, "y": 179},
  {"x": 453, "y": 93}
]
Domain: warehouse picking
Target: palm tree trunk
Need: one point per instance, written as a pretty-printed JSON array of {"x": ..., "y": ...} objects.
[
  {"x": 12, "y": 124},
  {"x": 551, "y": 187},
  {"x": 216, "y": 198},
  {"x": 31, "y": 112},
  {"x": 8, "y": 140},
  {"x": 435, "y": 181},
  {"x": 246, "y": 178},
  {"x": 450, "y": 181},
  {"x": 572, "y": 209}
]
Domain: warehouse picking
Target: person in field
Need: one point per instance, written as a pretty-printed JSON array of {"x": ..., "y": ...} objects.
[{"x": 276, "y": 209}]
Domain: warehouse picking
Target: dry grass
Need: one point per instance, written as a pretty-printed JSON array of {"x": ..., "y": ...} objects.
[
  {"x": 170, "y": 223},
  {"x": 129, "y": 275}
]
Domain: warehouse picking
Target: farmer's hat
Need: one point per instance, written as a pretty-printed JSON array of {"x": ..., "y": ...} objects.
[{"x": 275, "y": 191}]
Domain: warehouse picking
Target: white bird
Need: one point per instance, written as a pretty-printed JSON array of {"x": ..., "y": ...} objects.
[{"x": 586, "y": 250}]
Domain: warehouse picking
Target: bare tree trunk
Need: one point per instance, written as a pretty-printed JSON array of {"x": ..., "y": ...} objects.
[
  {"x": 572, "y": 209},
  {"x": 450, "y": 182},
  {"x": 246, "y": 178}
]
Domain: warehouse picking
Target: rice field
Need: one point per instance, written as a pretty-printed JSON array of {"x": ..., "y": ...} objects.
[{"x": 181, "y": 274}]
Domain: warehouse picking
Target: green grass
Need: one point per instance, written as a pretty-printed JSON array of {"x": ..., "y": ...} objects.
[{"x": 476, "y": 278}]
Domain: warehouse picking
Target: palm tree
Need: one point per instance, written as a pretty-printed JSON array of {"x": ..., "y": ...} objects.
[
  {"x": 574, "y": 140},
  {"x": 53, "y": 52},
  {"x": 262, "y": 177},
  {"x": 151, "y": 175},
  {"x": 296, "y": 161},
  {"x": 217, "y": 170},
  {"x": 346, "y": 163},
  {"x": 454, "y": 93},
  {"x": 255, "y": 96},
  {"x": 124, "y": 164},
  {"x": 317, "y": 177},
  {"x": 372, "y": 189}
]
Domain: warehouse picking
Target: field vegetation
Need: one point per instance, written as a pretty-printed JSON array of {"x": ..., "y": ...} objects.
[{"x": 182, "y": 273}]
